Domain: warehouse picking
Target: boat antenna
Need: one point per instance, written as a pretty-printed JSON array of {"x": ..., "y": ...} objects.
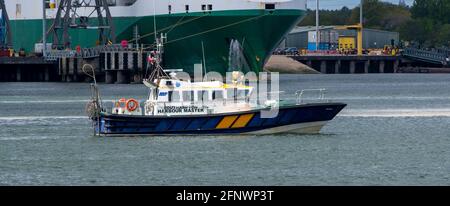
[
  {"x": 157, "y": 52},
  {"x": 154, "y": 20},
  {"x": 204, "y": 59}
]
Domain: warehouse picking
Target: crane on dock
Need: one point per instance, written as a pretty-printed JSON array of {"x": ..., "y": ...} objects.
[
  {"x": 70, "y": 15},
  {"x": 359, "y": 29},
  {"x": 359, "y": 36},
  {"x": 5, "y": 32}
]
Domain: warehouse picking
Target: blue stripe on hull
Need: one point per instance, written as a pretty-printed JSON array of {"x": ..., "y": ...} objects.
[{"x": 141, "y": 125}]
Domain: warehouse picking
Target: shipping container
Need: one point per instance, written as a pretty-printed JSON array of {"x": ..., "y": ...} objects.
[
  {"x": 334, "y": 37},
  {"x": 322, "y": 46},
  {"x": 325, "y": 36},
  {"x": 300, "y": 37},
  {"x": 298, "y": 40},
  {"x": 312, "y": 36},
  {"x": 38, "y": 47}
]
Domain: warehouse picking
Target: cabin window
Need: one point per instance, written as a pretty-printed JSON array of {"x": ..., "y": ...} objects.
[
  {"x": 120, "y": 2},
  {"x": 174, "y": 96},
  {"x": 112, "y": 3},
  {"x": 210, "y": 7},
  {"x": 162, "y": 94},
  {"x": 168, "y": 83},
  {"x": 241, "y": 94},
  {"x": 203, "y": 7},
  {"x": 170, "y": 96},
  {"x": 187, "y": 8},
  {"x": 232, "y": 93},
  {"x": 217, "y": 95},
  {"x": 270, "y": 6},
  {"x": 129, "y": 2},
  {"x": 170, "y": 9},
  {"x": 202, "y": 95},
  {"x": 188, "y": 96}
]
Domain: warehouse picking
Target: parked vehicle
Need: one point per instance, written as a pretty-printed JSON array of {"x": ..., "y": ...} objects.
[
  {"x": 291, "y": 51},
  {"x": 4, "y": 52},
  {"x": 279, "y": 51}
]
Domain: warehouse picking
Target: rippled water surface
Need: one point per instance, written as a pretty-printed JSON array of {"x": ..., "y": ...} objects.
[{"x": 395, "y": 131}]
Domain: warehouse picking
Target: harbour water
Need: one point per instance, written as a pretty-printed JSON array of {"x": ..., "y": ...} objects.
[{"x": 395, "y": 131}]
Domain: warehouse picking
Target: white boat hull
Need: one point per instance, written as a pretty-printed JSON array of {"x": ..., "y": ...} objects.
[{"x": 301, "y": 128}]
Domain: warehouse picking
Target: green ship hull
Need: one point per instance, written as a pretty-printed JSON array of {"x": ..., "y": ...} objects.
[{"x": 189, "y": 36}]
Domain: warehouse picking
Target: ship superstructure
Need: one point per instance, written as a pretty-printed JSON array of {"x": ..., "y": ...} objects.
[{"x": 195, "y": 27}]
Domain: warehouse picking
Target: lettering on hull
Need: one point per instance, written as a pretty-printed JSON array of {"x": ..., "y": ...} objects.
[{"x": 182, "y": 109}]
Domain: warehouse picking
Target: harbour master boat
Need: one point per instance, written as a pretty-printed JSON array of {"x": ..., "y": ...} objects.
[
  {"x": 181, "y": 107},
  {"x": 177, "y": 106}
]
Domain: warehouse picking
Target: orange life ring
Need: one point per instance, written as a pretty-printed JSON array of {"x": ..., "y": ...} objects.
[{"x": 132, "y": 107}]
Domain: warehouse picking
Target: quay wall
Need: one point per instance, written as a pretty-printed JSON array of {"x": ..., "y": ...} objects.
[
  {"x": 351, "y": 64},
  {"x": 123, "y": 67}
]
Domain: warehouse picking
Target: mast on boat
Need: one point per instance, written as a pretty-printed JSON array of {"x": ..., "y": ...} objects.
[{"x": 155, "y": 60}]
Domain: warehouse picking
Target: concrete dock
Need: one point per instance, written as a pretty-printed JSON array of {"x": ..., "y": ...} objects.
[
  {"x": 351, "y": 64},
  {"x": 27, "y": 69},
  {"x": 120, "y": 67}
]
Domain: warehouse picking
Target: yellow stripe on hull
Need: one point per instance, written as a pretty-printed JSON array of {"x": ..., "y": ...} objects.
[
  {"x": 243, "y": 120},
  {"x": 227, "y": 122}
]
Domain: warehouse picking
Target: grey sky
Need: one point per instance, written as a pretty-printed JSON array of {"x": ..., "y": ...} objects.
[{"x": 337, "y": 4}]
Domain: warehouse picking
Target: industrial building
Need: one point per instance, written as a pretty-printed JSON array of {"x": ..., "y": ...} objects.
[{"x": 332, "y": 37}]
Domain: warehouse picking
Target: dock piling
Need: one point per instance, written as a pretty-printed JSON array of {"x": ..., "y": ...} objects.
[
  {"x": 396, "y": 63},
  {"x": 46, "y": 74},
  {"x": 352, "y": 67},
  {"x": 109, "y": 77},
  {"x": 337, "y": 66},
  {"x": 121, "y": 77},
  {"x": 381, "y": 67},
  {"x": 323, "y": 67},
  {"x": 366, "y": 66},
  {"x": 19, "y": 74}
]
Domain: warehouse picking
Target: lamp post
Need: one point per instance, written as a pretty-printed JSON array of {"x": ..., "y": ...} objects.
[
  {"x": 361, "y": 13},
  {"x": 44, "y": 27},
  {"x": 360, "y": 31},
  {"x": 317, "y": 25}
]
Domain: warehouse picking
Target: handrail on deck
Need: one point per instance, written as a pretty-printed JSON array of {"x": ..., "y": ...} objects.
[
  {"x": 91, "y": 52},
  {"x": 299, "y": 94}
]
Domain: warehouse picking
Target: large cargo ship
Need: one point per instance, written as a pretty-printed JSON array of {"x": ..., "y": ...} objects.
[{"x": 194, "y": 28}]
